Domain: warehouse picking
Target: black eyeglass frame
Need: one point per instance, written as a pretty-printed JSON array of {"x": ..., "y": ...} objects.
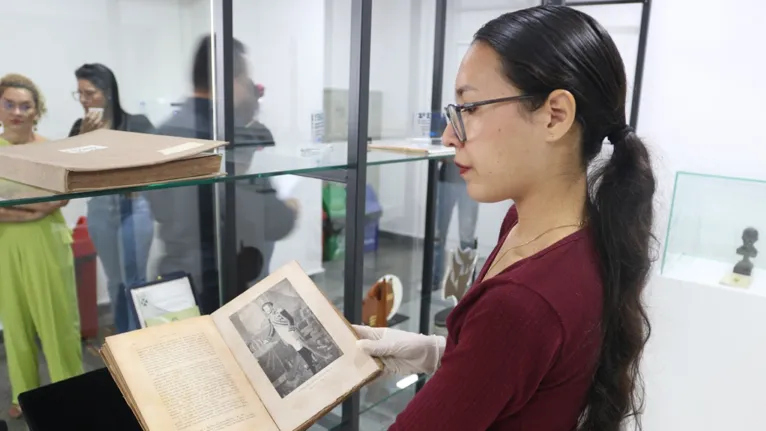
[{"x": 457, "y": 124}]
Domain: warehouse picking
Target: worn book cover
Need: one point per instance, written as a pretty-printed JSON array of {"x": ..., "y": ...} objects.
[
  {"x": 414, "y": 146},
  {"x": 108, "y": 159},
  {"x": 278, "y": 357}
]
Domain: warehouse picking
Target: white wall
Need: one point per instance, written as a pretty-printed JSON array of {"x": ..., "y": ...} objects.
[
  {"x": 704, "y": 363},
  {"x": 285, "y": 40},
  {"x": 700, "y": 103}
]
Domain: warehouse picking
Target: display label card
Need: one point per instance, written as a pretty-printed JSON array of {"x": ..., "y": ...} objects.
[{"x": 164, "y": 301}]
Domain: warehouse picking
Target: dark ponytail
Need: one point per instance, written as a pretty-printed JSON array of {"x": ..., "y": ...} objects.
[
  {"x": 621, "y": 214},
  {"x": 554, "y": 47}
]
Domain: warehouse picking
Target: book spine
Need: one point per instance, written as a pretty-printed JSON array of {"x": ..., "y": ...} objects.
[{"x": 44, "y": 176}]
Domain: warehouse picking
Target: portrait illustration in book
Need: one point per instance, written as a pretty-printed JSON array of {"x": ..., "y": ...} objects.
[{"x": 286, "y": 338}]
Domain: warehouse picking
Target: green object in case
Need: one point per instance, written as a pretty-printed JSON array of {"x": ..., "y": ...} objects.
[{"x": 334, "y": 205}]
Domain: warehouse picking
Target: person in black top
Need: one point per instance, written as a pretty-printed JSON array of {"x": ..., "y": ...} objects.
[{"x": 121, "y": 226}]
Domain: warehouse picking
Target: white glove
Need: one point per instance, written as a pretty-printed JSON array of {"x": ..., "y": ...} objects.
[{"x": 402, "y": 352}]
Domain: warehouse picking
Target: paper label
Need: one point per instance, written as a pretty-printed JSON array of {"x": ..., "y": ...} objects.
[
  {"x": 423, "y": 124},
  {"x": 83, "y": 149},
  {"x": 317, "y": 126},
  {"x": 179, "y": 148}
]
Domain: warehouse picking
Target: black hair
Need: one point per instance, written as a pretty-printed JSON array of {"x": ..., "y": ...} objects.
[
  {"x": 546, "y": 48},
  {"x": 201, "y": 67},
  {"x": 103, "y": 78}
]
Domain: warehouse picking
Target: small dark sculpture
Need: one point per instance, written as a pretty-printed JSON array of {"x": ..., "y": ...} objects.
[{"x": 748, "y": 251}]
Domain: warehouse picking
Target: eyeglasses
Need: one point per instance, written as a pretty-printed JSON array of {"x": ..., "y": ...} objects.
[
  {"x": 87, "y": 95},
  {"x": 11, "y": 106},
  {"x": 455, "y": 112}
]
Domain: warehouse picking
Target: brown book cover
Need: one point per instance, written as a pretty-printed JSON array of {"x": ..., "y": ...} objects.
[{"x": 108, "y": 159}]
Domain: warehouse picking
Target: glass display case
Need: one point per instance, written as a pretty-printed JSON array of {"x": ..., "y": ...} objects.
[
  {"x": 712, "y": 235},
  {"x": 311, "y": 139}
]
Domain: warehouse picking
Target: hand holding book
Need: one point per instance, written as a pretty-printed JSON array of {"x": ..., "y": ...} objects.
[{"x": 402, "y": 352}]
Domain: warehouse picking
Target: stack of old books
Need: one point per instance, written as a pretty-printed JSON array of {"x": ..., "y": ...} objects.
[{"x": 106, "y": 159}]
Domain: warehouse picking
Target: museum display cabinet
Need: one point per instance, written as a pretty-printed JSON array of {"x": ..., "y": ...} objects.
[
  {"x": 712, "y": 233},
  {"x": 227, "y": 232}
]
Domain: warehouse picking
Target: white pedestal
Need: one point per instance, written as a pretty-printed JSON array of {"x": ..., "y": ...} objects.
[
  {"x": 710, "y": 273},
  {"x": 704, "y": 364}
]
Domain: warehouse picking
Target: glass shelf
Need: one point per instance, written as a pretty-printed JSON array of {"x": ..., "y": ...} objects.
[{"x": 247, "y": 163}]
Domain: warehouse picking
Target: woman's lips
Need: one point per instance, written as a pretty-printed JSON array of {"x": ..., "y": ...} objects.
[
  {"x": 16, "y": 122},
  {"x": 463, "y": 168}
]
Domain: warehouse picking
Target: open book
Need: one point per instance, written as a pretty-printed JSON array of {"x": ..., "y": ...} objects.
[{"x": 278, "y": 357}]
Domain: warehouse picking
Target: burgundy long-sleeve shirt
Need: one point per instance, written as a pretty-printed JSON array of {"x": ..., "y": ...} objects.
[{"x": 522, "y": 346}]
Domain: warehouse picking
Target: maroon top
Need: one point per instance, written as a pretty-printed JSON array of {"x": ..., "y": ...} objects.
[{"x": 522, "y": 346}]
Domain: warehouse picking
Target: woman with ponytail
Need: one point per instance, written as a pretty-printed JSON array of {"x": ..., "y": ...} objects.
[{"x": 550, "y": 336}]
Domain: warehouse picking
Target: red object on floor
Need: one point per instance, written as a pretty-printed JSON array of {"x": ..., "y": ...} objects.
[{"x": 85, "y": 269}]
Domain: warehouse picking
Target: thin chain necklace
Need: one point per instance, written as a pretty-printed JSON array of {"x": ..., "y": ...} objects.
[{"x": 502, "y": 255}]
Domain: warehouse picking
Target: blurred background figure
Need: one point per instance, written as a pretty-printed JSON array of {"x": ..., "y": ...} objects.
[
  {"x": 38, "y": 296},
  {"x": 250, "y": 131},
  {"x": 186, "y": 215},
  {"x": 121, "y": 226},
  {"x": 262, "y": 218}
]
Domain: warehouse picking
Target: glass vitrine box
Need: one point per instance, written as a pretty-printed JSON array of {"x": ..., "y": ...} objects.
[{"x": 712, "y": 232}]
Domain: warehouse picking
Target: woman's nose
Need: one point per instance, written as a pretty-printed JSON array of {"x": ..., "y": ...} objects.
[{"x": 449, "y": 138}]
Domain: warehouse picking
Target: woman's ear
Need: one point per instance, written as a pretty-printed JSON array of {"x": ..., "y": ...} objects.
[{"x": 562, "y": 109}]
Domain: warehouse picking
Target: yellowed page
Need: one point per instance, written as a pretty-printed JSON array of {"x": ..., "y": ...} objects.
[
  {"x": 279, "y": 330},
  {"x": 182, "y": 377}
]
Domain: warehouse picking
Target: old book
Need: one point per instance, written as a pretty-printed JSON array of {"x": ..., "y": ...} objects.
[
  {"x": 277, "y": 357},
  {"x": 105, "y": 159},
  {"x": 414, "y": 146}
]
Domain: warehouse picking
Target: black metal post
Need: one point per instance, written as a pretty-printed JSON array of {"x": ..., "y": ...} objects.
[
  {"x": 358, "y": 115},
  {"x": 223, "y": 37},
  {"x": 646, "y": 11},
  {"x": 440, "y": 26}
]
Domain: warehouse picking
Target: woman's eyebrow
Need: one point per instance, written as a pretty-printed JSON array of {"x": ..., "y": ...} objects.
[{"x": 463, "y": 88}]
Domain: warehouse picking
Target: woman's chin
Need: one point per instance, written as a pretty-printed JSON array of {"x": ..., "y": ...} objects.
[
  {"x": 482, "y": 193},
  {"x": 19, "y": 128}
]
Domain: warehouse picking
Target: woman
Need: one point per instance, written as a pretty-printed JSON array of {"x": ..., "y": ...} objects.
[
  {"x": 37, "y": 282},
  {"x": 550, "y": 336},
  {"x": 121, "y": 226}
]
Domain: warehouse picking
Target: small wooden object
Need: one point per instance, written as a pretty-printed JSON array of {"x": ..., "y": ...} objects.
[{"x": 378, "y": 303}]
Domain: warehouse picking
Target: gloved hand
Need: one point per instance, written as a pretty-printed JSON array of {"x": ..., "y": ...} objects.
[{"x": 402, "y": 352}]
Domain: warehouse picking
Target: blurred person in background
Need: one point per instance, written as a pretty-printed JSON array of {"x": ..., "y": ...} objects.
[
  {"x": 38, "y": 294},
  {"x": 186, "y": 215},
  {"x": 121, "y": 225}
]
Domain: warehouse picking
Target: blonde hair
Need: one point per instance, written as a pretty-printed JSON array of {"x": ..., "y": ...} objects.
[{"x": 15, "y": 80}]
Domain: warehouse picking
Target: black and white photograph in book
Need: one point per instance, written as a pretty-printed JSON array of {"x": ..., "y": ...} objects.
[{"x": 286, "y": 338}]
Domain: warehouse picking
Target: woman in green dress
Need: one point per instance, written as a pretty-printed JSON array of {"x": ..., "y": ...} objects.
[{"x": 38, "y": 295}]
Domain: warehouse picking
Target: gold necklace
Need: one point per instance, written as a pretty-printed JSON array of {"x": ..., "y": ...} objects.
[{"x": 502, "y": 255}]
